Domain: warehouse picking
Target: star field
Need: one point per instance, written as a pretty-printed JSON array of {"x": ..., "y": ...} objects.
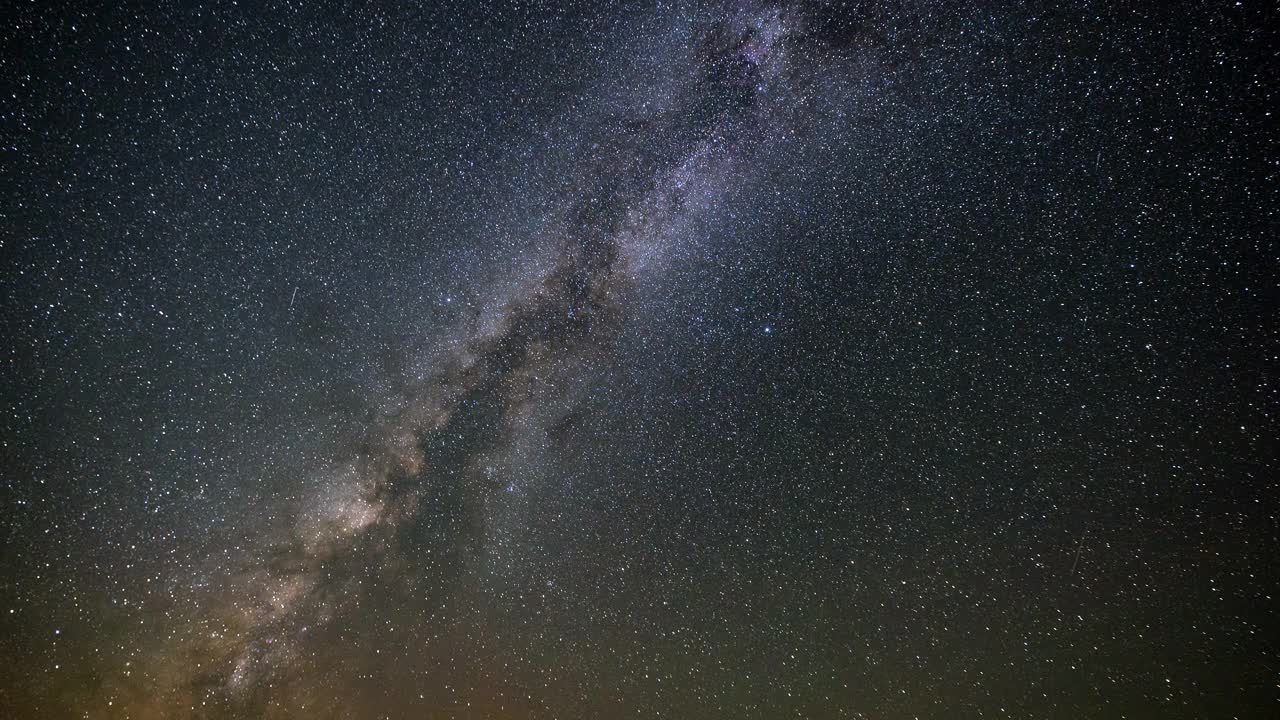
[{"x": 638, "y": 360}]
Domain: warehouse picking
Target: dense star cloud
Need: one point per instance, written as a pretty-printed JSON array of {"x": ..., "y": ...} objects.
[{"x": 707, "y": 359}]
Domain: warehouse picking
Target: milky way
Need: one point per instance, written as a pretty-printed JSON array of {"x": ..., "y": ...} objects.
[
  {"x": 725, "y": 359},
  {"x": 510, "y": 379}
]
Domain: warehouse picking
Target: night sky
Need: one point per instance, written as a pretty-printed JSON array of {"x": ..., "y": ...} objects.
[{"x": 639, "y": 360}]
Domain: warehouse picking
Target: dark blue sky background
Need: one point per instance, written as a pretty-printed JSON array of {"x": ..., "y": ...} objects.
[{"x": 741, "y": 360}]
